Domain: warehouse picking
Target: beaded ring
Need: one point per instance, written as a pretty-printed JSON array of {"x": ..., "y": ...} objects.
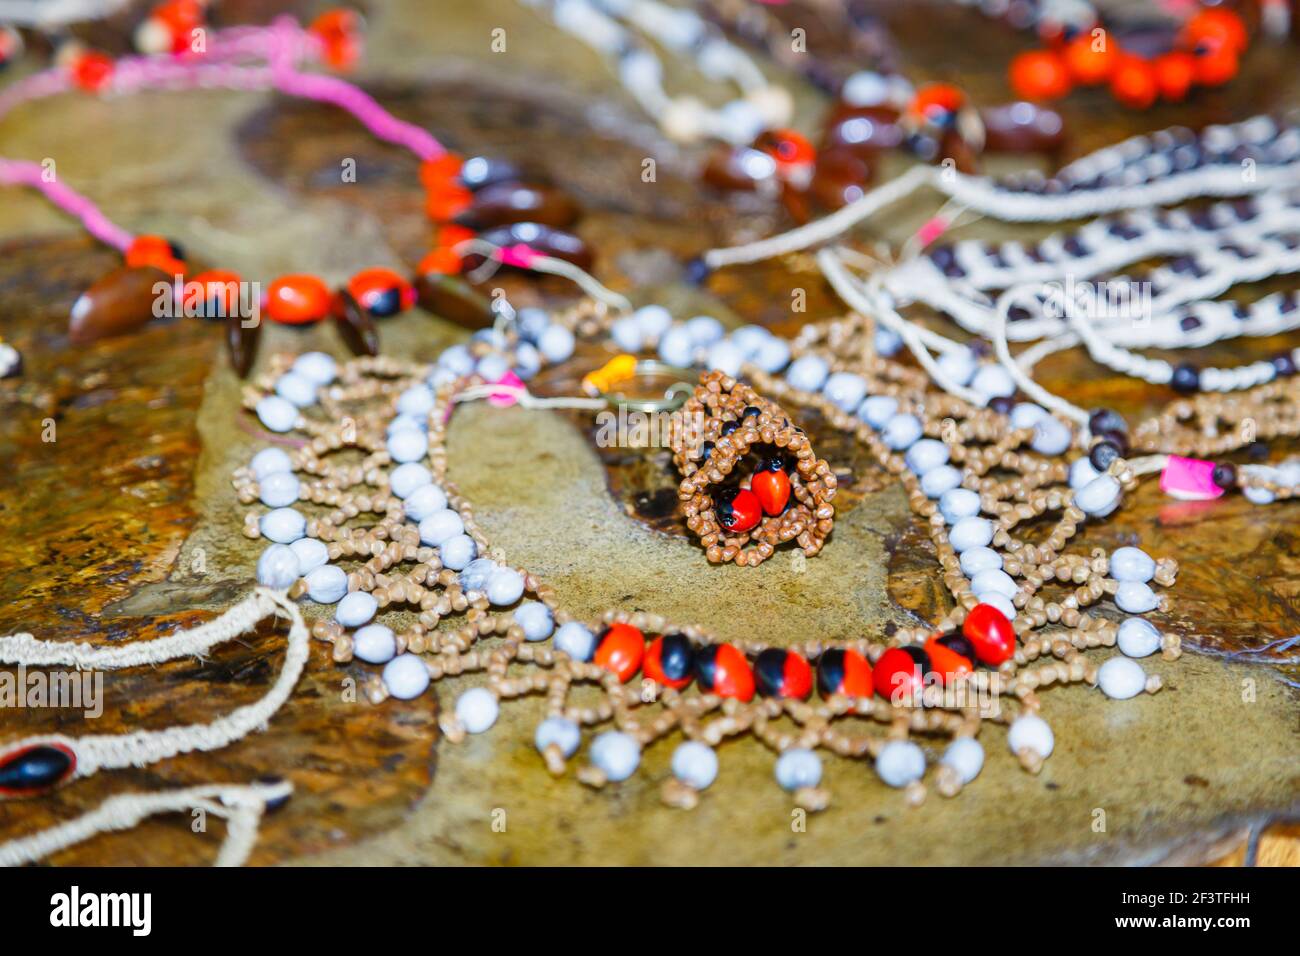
[{"x": 773, "y": 505}]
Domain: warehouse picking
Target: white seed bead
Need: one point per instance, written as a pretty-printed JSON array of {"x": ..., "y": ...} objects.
[
  {"x": 705, "y": 330},
  {"x": 993, "y": 580},
  {"x": 959, "y": 365},
  {"x": 406, "y": 677},
  {"x": 939, "y": 481},
  {"x": 269, "y": 461},
  {"x": 676, "y": 346},
  {"x": 886, "y": 342},
  {"x": 773, "y": 355},
  {"x": 277, "y": 567},
  {"x": 556, "y": 343},
  {"x": 505, "y": 586},
  {"x": 653, "y": 321},
  {"x": 492, "y": 368},
  {"x": 1258, "y": 496},
  {"x": 575, "y": 640},
  {"x": 925, "y": 454},
  {"x": 560, "y": 731},
  {"x": 424, "y": 501},
  {"x": 1031, "y": 732},
  {"x": 749, "y": 339},
  {"x": 356, "y": 609},
  {"x": 900, "y": 762},
  {"x": 1138, "y": 638},
  {"x": 477, "y": 709},
  {"x": 374, "y": 644},
  {"x": 876, "y": 410},
  {"x": 1082, "y": 472},
  {"x": 316, "y": 367},
  {"x": 1134, "y": 597},
  {"x": 476, "y": 574},
  {"x": 535, "y": 618},
  {"x": 972, "y": 532},
  {"x": 845, "y": 390},
  {"x": 276, "y": 413},
  {"x": 279, "y": 489},
  {"x": 617, "y": 754},
  {"x": 457, "y": 552},
  {"x": 807, "y": 373},
  {"x": 1098, "y": 497},
  {"x": 311, "y": 554},
  {"x": 440, "y": 526},
  {"x": 1132, "y": 564},
  {"x": 283, "y": 525},
  {"x": 993, "y": 381},
  {"x": 958, "y": 503},
  {"x": 901, "y": 431},
  {"x": 408, "y": 444},
  {"x": 457, "y": 359},
  {"x": 416, "y": 401},
  {"x": 297, "y": 389},
  {"x": 695, "y": 764},
  {"x": 1051, "y": 437},
  {"x": 865, "y": 88},
  {"x": 975, "y": 560},
  {"x": 724, "y": 357},
  {"x": 999, "y": 601},
  {"x": 405, "y": 421},
  {"x": 406, "y": 479},
  {"x": 327, "y": 584},
  {"x": 966, "y": 756},
  {"x": 1027, "y": 415},
  {"x": 797, "y": 768},
  {"x": 1121, "y": 678},
  {"x": 528, "y": 361},
  {"x": 626, "y": 334}
]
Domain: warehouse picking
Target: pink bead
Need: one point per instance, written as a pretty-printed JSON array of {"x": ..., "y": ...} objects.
[
  {"x": 504, "y": 399},
  {"x": 518, "y": 255},
  {"x": 1189, "y": 479},
  {"x": 932, "y": 230}
]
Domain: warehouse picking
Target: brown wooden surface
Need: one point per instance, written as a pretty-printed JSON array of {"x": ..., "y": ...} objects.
[{"x": 125, "y": 526}]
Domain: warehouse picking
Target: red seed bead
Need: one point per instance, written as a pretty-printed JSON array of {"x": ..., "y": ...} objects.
[
  {"x": 340, "y": 33},
  {"x": 670, "y": 661},
  {"x": 441, "y": 261},
  {"x": 1134, "y": 83},
  {"x": 738, "y": 511},
  {"x": 298, "y": 299},
  {"x": 1091, "y": 60},
  {"x": 212, "y": 294},
  {"x": 154, "y": 251},
  {"x": 772, "y": 487},
  {"x": 620, "y": 650},
  {"x": 722, "y": 669},
  {"x": 441, "y": 171},
  {"x": 381, "y": 292},
  {"x": 779, "y": 673},
  {"x": 899, "y": 674},
  {"x": 1215, "y": 64},
  {"x": 444, "y": 203},
  {"x": 92, "y": 70},
  {"x": 844, "y": 672},
  {"x": 1175, "y": 72},
  {"x": 1040, "y": 75},
  {"x": 935, "y": 102},
  {"x": 951, "y": 655},
  {"x": 793, "y": 154},
  {"x": 180, "y": 18},
  {"x": 1218, "y": 27},
  {"x": 990, "y": 633},
  {"x": 452, "y": 235}
]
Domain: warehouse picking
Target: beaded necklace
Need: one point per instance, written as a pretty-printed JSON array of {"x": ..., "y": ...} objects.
[{"x": 520, "y": 224}]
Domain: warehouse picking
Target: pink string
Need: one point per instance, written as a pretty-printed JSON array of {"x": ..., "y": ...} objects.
[
  {"x": 284, "y": 45},
  {"x": 22, "y": 173}
]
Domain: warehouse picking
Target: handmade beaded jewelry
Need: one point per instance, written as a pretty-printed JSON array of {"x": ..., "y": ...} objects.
[{"x": 520, "y": 223}]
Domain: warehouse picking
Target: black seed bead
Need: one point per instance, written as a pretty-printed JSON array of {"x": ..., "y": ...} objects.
[
  {"x": 387, "y": 303},
  {"x": 1225, "y": 475},
  {"x": 271, "y": 780},
  {"x": 1106, "y": 420},
  {"x": 960, "y": 645},
  {"x": 696, "y": 271},
  {"x": 676, "y": 656},
  {"x": 1075, "y": 247},
  {"x": 919, "y": 655},
  {"x": 1002, "y": 404},
  {"x": 729, "y": 427},
  {"x": 769, "y": 671},
  {"x": 1186, "y": 380},
  {"x": 705, "y": 451},
  {"x": 751, "y": 410},
  {"x": 830, "y": 671},
  {"x": 1118, "y": 439},
  {"x": 1188, "y": 323},
  {"x": 1102, "y": 454},
  {"x": 34, "y": 769},
  {"x": 1283, "y": 364},
  {"x": 1257, "y": 451}
]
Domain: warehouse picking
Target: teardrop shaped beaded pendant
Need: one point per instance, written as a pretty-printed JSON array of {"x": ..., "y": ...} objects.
[{"x": 742, "y": 512}]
